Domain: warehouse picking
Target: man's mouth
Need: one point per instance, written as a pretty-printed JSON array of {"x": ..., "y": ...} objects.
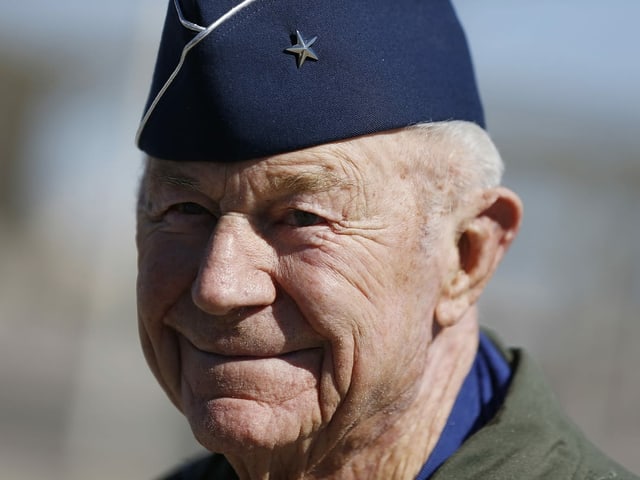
[
  {"x": 263, "y": 376},
  {"x": 241, "y": 352}
]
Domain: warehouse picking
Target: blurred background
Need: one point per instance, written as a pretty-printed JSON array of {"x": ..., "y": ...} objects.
[{"x": 561, "y": 87}]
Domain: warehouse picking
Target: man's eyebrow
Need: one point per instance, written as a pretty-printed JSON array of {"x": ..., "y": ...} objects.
[
  {"x": 306, "y": 182},
  {"x": 282, "y": 184},
  {"x": 175, "y": 179}
]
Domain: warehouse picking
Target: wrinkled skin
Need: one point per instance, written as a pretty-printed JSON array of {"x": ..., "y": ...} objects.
[{"x": 286, "y": 306}]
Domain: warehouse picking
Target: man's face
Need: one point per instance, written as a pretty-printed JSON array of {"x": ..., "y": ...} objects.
[{"x": 290, "y": 299}]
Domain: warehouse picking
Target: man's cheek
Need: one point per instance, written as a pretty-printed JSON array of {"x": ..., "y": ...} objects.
[{"x": 166, "y": 268}]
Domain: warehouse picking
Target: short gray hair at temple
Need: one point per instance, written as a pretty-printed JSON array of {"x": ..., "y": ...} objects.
[
  {"x": 461, "y": 154},
  {"x": 483, "y": 164},
  {"x": 454, "y": 160}
]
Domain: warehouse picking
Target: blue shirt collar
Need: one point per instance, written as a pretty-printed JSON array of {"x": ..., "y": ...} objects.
[{"x": 480, "y": 397}]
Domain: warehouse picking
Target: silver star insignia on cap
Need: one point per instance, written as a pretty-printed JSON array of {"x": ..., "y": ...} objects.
[{"x": 302, "y": 49}]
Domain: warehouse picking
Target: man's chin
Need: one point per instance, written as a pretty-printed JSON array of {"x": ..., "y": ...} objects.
[{"x": 231, "y": 426}]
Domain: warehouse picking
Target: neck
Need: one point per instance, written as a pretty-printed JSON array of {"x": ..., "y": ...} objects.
[{"x": 395, "y": 443}]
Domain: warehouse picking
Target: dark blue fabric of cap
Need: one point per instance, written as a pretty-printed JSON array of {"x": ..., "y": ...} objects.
[{"x": 235, "y": 92}]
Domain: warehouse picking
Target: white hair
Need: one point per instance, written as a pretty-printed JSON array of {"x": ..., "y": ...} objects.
[
  {"x": 453, "y": 160},
  {"x": 460, "y": 158},
  {"x": 469, "y": 144}
]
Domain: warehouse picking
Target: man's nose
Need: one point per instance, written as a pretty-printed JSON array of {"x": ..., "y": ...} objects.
[{"x": 234, "y": 271}]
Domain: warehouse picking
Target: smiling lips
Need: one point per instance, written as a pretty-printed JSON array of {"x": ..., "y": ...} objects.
[
  {"x": 264, "y": 378},
  {"x": 242, "y": 352}
]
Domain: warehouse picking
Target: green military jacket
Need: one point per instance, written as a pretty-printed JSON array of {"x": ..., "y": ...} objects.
[{"x": 530, "y": 438}]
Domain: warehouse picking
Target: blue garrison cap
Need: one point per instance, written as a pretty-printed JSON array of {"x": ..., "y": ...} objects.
[{"x": 241, "y": 80}]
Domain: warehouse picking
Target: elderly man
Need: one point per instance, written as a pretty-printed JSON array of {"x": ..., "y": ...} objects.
[{"x": 319, "y": 214}]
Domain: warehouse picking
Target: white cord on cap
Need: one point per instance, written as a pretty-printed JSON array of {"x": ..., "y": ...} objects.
[{"x": 194, "y": 41}]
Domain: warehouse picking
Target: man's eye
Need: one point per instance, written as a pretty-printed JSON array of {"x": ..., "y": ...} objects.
[
  {"x": 189, "y": 208},
  {"x": 300, "y": 218}
]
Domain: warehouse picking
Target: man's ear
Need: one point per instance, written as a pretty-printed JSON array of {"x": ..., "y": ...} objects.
[{"x": 483, "y": 240}]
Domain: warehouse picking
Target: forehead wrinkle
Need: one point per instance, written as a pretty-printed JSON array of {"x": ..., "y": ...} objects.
[{"x": 356, "y": 165}]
